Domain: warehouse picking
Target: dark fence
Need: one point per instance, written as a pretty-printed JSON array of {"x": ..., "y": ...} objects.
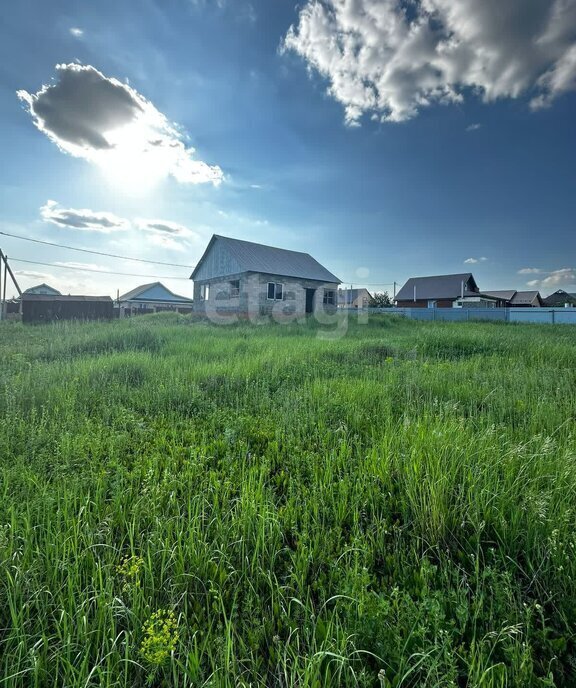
[{"x": 44, "y": 308}]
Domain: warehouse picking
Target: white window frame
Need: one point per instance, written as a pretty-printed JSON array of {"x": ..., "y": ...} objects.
[
  {"x": 432, "y": 303},
  {"x": 205, "y": 292},
  {"x": 275, "y": 290}
]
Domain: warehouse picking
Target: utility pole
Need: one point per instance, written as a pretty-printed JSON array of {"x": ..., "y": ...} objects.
[
  {"x": 8, "y": 269},
  {"x": 3, "y": 307}
]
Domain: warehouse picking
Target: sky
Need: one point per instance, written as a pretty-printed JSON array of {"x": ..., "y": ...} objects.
[{"x": 387, "y": 138}]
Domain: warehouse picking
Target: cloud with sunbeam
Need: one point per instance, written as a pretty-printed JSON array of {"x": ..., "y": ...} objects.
[{"x": 110, "y": 124}]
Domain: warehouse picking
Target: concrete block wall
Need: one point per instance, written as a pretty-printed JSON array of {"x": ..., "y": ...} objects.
[{"x": 253, "y": 300}]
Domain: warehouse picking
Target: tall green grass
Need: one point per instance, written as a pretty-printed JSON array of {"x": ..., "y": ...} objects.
[{"x": 393, "y": 508}]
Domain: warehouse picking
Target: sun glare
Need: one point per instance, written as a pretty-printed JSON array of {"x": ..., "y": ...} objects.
[{"x": 136, "y": 161}]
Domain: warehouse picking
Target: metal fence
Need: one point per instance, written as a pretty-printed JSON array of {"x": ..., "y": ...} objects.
[{"x": 550, "y": 316}]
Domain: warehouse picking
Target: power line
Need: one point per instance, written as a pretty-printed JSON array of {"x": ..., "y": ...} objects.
[
  {"x": 97, "y": 253},
  {"x": 101, "y": 272},
  {"x": 138, "y": 260}
]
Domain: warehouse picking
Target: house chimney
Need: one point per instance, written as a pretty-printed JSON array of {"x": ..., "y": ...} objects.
[
  {"x": 462, "y": 289},
  {"x": 414, "y": 293}
]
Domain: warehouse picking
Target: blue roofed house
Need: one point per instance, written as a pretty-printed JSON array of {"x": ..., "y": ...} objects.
[
  {"x": 151, "y": 298},
  {"x": 245, "y": 278}
]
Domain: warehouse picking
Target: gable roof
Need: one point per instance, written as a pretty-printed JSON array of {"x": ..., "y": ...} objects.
[
  {"x": 155, "y": 291},
  {"x": 42, "y": 289},
  {"x": 350, "y": 295},
  {"x": 438, "y": 287},
  {"x": 504, "y": 294},
  {"x": 246, "y": 256},
  {"x": 560, "y": 297},
  {"x": 517, "y": 298},
  {"x": 526, "y": 297}
]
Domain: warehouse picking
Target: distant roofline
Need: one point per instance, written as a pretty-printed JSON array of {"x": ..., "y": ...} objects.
[
  {"x": 452, "y": 274},
  {"x": 145, "y": 287}
]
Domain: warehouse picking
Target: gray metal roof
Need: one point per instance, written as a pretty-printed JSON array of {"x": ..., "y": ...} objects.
[
  {"x": 504, "y": 294},
  {"x": 525, "y": 297},
  {"x": 560, "y": 297},
  {"x": 516, "y": 298},
  {"x": 246, "y": 256},
  {"x": 139, "y": 294},
  {"x": 438, "y": 287}
]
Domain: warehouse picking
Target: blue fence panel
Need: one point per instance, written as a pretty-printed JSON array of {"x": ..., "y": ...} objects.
[
  {"x": 560, "y": 316},
  {"x": 565, "y": 316},
  {"x": 530, "y": 315},
  {"x": 488, "y": 314}
]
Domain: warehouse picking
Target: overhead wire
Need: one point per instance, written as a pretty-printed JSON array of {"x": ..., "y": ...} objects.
[
  {"x": 138, "y": 260},
  {"x": 97, "y": 253},
  {"x": 81, "y": 268}
]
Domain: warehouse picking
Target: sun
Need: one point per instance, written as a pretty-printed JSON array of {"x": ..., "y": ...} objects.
[{"x": 135, "y": 162}]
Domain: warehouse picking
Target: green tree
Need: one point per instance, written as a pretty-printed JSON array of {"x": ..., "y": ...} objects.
[{"x": 380, "y": 299}]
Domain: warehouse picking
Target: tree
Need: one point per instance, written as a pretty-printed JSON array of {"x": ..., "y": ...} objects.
[{"x": 380, "y": 299}]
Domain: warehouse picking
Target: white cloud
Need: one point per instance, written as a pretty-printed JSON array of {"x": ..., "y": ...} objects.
[
  {"x": 76, "y": 32},
  {"x": 82, "y": 219},
  {"x": 391, "y": 58},
  {"x": 476, "y": 260},
  {"x": 81, "y": 266},
  {"x": 473, "y": 127},
  {"x": 164, "y": 233},
  {"x": 556, "y": 278},
  {"x": 530, "y": 271},
  {"x": 104, "y": 121},
  {"x": 33, "y": 274},
  {"x": 166, "y": 228},
  {"x": 168, "y": 235}
]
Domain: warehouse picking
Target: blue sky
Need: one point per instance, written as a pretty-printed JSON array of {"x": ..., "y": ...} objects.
[{"x": 387, "y": 138}]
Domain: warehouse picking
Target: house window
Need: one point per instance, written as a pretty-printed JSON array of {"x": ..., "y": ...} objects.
[
  {"x": 431, "y": 303},
  {"x": 275, "y": 291},
  {"x": 205, "y": 292},
  {"x": 329, "y": 297},
  {"x": 234, "y": 288}
]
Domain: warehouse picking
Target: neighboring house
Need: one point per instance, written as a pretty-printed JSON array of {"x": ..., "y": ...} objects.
[
  {"x": 517, "y": 299},
  {"x": 560, "y": 298},
  {"x": 48, "y": 307},
  {"x": 443, "y": 291},
  {"x": 150, "y": 298},
  {"x": 241, "y": 277},
  {"x": 354, "y": 298},
  {"x": 43, "y": 289}
]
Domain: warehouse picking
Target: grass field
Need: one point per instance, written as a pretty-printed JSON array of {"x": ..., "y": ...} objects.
[{"x": 190, "y": 505}]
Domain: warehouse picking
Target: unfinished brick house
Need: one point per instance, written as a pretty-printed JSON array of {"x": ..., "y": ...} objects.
[{"x": 247, "y": 279}]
